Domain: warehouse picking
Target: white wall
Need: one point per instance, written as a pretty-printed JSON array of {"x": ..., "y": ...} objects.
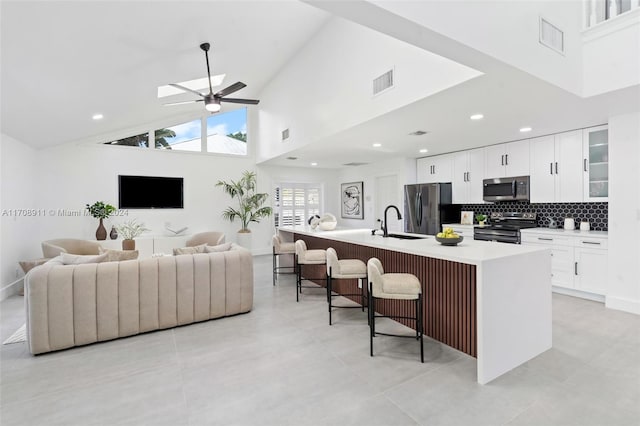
[
  {"x": 327, "y": 87},
  {"x": 612, "y": 55},
  {"x": 403, "y": 168},
  {"x": 74, "y": 175},
  {"x": 624, "y": 213},
  {"x": 507, "y": 31},
  {"x": 19, "y": 180}
]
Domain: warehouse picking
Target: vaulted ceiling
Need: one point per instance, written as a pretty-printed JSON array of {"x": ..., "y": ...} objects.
[{"x": 63, "y": 61}]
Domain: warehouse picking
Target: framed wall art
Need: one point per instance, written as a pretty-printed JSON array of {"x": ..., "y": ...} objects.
[{"x": 352, "y": 200}]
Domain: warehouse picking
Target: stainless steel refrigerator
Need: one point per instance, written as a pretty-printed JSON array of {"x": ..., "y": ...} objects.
[{"x": 427, "y": 206}]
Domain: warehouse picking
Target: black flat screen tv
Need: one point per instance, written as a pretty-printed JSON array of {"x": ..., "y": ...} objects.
[{"x": 150, "y": 192}]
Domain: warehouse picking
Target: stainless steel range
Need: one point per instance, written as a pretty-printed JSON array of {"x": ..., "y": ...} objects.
[{"x": 505, "y": 227}]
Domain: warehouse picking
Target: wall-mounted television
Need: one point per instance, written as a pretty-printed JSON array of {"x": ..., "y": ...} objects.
[{"x": 150, "y": 192}]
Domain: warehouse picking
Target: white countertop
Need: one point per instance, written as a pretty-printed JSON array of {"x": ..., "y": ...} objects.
[
  {"x": 468, "y": 251},
  {"x": 455, "y": 225},
  {"x": 570, "y": 233}
]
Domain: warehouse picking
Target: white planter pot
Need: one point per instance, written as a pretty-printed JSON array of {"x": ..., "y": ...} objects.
[{"x": 244, "y": 239}]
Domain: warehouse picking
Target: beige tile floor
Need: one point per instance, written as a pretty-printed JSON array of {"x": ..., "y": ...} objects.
[{"x": 282, "y": 364}]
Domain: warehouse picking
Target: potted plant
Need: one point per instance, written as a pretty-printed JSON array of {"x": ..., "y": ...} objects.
[
  {"x": 101, "y": 211},
  {"x": 129, "y": 231},
  {"x": 250, "y": 204},
  {"x": 481, "y": 219}
]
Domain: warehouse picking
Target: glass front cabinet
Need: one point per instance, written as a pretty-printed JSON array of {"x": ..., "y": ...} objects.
[{"x": 596, "y": 163}]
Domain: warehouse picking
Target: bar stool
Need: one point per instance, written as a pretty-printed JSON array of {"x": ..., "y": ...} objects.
[
  {"x": 281, "y": 248},
  {"x": 307, "y": 257},
  {"x": 396, "y": 287},
  {"x": 343, "y": 270}
]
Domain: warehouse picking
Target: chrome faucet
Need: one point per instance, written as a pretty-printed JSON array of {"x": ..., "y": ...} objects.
[{"x": 385, "y": 232}]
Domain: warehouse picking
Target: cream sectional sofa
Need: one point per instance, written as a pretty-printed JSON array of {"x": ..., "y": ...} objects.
[{"x": 73, "y": 305}]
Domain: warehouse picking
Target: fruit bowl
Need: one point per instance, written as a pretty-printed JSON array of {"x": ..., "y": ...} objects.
[{"x": 449, "y": 241}]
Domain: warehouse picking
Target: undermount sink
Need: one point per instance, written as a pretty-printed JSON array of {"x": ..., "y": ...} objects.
[{"x": 407, "y": 237}]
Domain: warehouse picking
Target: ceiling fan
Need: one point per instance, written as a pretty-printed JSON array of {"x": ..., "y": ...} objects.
[{"x": 212, "y": 100}]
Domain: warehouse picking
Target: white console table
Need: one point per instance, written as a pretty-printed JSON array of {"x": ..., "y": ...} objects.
[{"x": 147, "y": 246}]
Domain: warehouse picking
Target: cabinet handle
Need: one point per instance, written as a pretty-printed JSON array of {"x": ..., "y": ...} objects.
[
  {"x": 434, "y": 169},
  {"x": 550, "y": 168},
  {"x": 502, "y": 160},
  {"x": 464, "y": 176},
  {"x": 545, "y": 239},
  {"x": 575, "y": 268},
  {"x": 506, "y": 159},
  {"x": 585, "y": 164},
  {"x": 556, "y": 167},
  {"x": 468, "y": 176},
  {"x": 591, "y": 242}
]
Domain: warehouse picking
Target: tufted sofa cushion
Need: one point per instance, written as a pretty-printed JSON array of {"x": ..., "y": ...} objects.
[{"x": 72, "y": 305}]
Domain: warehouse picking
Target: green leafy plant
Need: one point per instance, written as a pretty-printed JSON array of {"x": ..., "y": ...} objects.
[
  {"x": 481, "y": 217},
  {"x": 250, "y": 203},
  {"x": 100, "y": 210},
  {"x": 131, "y": 229}
]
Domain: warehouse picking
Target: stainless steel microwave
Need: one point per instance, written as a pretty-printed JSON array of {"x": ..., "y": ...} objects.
[{"x": 506, "y": 189}]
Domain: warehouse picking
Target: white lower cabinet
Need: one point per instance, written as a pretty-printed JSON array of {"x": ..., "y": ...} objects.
[
  {"x": 578, "y": 263},
  {"x": 591, "y": 266}
]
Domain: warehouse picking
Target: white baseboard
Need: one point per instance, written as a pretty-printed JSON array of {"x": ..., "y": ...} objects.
[
  {"x": 623, "y": 304},
  {"x": 581, "y": 294},
  {"x": 11, "y": 289}
]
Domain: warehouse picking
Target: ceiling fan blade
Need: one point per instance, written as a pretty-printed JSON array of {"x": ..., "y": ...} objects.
[
  {"x": 183, "y": 102},
  {"x": 186, "y": 89},
  {"x": 229, "y": 90},
  {"x": 240, "y": 101}
]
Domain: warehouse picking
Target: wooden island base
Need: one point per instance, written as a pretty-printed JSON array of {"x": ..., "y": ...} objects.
[{"x": 449, "y": 290}]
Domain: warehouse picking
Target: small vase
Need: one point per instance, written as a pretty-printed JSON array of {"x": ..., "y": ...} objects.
[
  {"x": 128, "y": 244},
  {"x": 114, "y": 233},
  {"x": 101, "y": 232},
  {"x": 481, "y": 224}
]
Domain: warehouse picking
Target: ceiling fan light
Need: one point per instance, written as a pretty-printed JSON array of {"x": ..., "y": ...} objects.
[{"x": 212, "y": 105}]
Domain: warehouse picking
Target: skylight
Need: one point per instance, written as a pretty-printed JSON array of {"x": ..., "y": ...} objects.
[{"x": 199, "y": 84}]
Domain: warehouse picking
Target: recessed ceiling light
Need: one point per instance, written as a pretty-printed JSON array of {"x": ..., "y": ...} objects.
[
  {"x": 525, "y": 129},
  {"x": 314, "y": 164},
  {"x": 477, "y": 117},
  {"x": 377, "y": 145},
  {"x": 418, "y": 133},
  {"x": 97, "y": 116},
  {"x": 423, "y": 150}
]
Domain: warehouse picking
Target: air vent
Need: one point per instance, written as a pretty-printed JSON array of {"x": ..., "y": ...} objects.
[
  {"x": 418, "y": 133},
  {"x": 384, "y": 82},
  {"x": 354, "y": 164},
  {"x": 285, "y": 134},
  {"x": 292, "y": 158},
  {"x": 551, "y": 36}
]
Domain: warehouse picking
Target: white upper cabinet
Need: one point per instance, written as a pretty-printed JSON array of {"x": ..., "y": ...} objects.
[
  {"x": 542, "y": 178},
  {"x": 438, "y": 168},
  {"x": 468, "y": 173},
  {"x": 595, "y": 164},
  {"x": 507, "y": 159},
  {"x": 556, "y": 169}
]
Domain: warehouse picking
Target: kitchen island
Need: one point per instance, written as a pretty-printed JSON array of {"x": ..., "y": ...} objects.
[{"x": 489, "y": 300}]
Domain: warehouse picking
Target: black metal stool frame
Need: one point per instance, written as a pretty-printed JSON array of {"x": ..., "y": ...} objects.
[
  {"x": 330, "y": 294},
  {"x": 300, "y": 278},
  {"x": 373, "y": 316},
  {"x": 276, "y": 269}
]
